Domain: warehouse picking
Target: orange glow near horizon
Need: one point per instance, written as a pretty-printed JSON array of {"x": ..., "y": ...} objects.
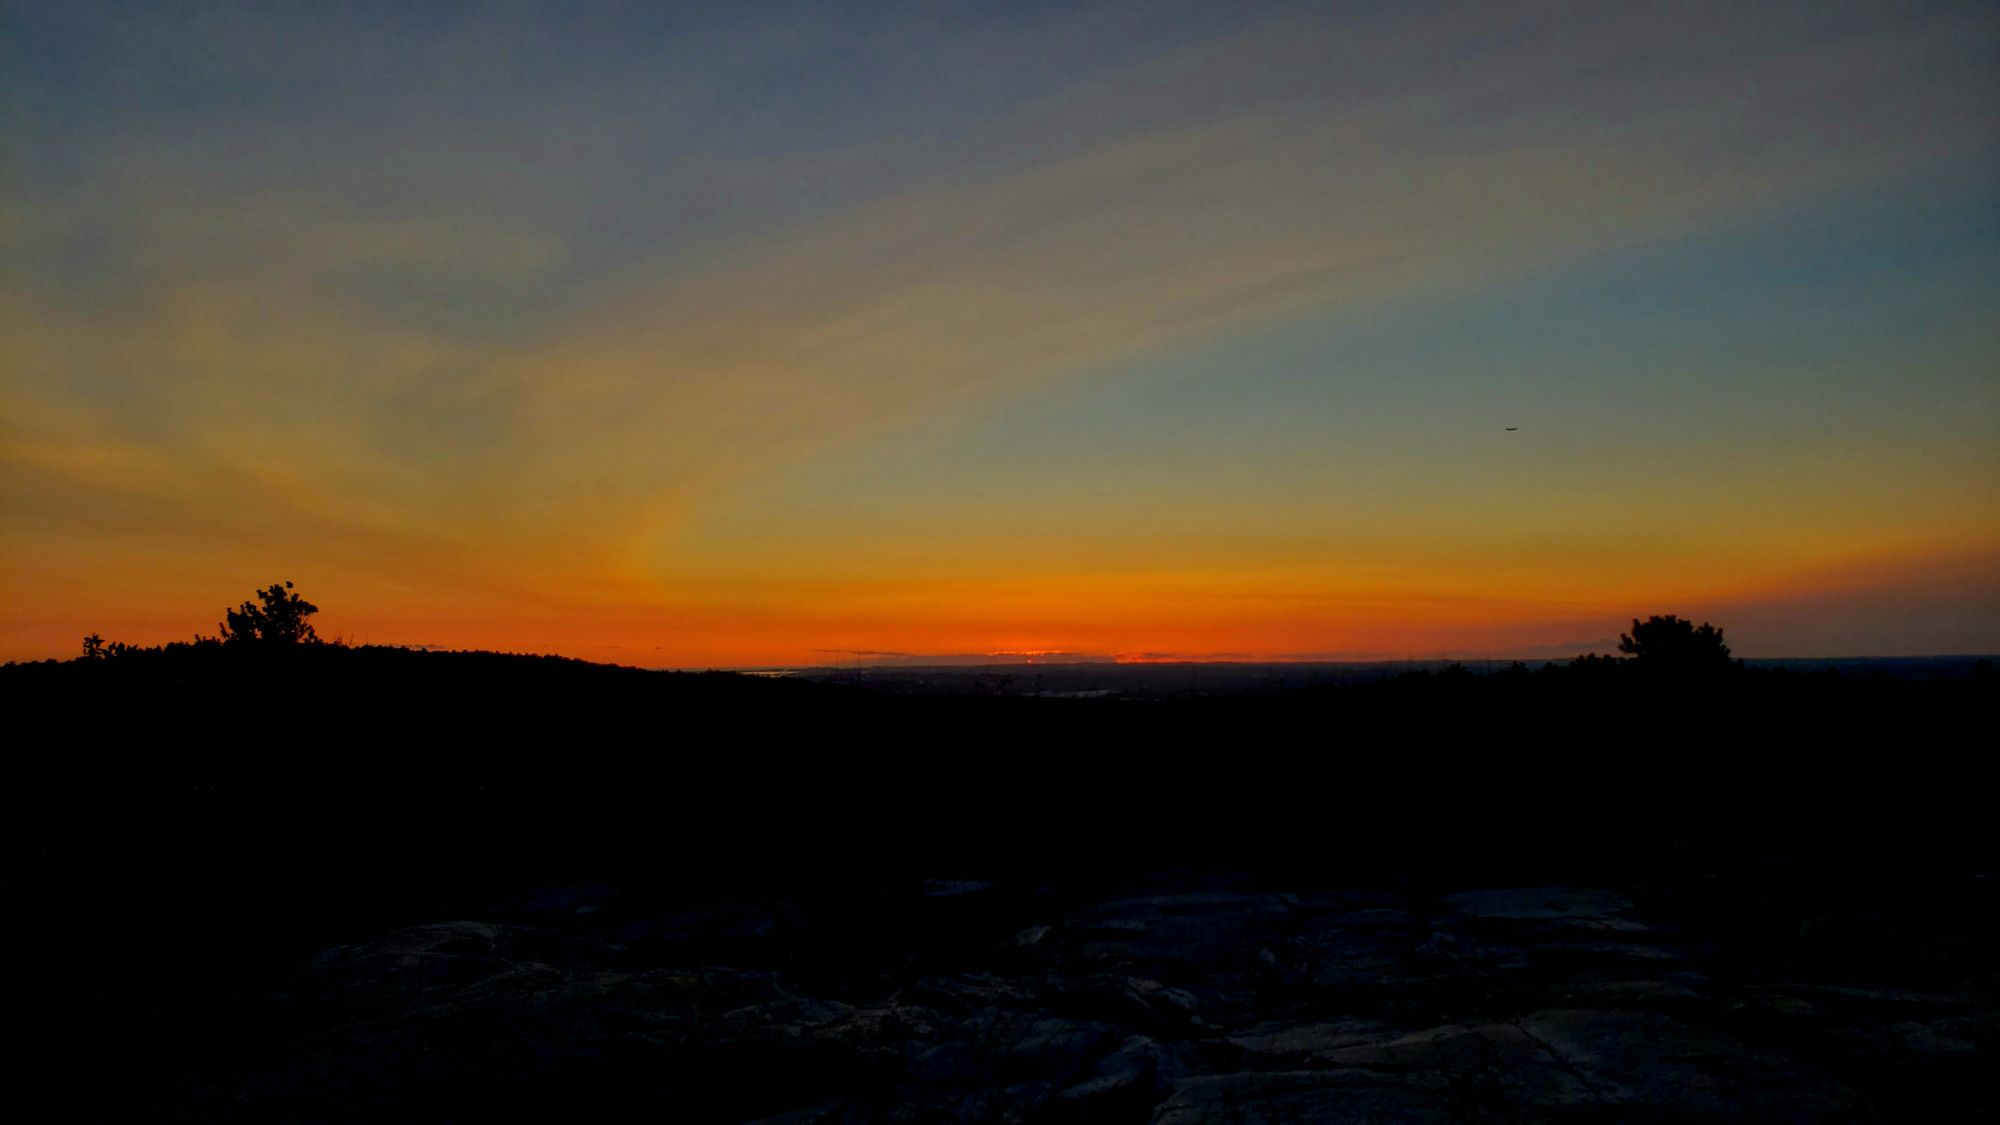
[
  {"x": 1108, "y": 619},
  {"x": 1255, "y": 336}
]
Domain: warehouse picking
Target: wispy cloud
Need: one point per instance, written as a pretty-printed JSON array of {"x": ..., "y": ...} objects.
[
  {"x": 494, "y": 305},
  {"x": 878, "y": 317}
]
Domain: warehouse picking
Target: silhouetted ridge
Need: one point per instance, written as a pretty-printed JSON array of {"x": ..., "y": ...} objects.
[{"x": 210, "y": 813}]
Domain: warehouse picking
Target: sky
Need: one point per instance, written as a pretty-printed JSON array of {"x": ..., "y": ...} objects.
[{"x": 748, "y": 335}]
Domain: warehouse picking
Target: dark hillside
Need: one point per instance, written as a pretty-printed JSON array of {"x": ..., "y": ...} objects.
[{"x": 188, "y": 824}]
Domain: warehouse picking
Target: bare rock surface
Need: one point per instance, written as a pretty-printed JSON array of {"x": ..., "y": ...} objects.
[{"x": 1181, "y": 998}]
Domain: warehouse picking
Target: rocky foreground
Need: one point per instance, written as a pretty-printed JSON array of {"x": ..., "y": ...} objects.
[{"x": 1176, "y": 997}]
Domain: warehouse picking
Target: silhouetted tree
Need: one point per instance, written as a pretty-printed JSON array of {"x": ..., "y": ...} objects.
[
  {"x": 280, "y": 620},
  {"x": 93, "y": 647},
  {"x": 1670, "y": 644}
]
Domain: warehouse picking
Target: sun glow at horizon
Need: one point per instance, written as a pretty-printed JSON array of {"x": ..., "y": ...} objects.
[{"x": 718, "y": 338}]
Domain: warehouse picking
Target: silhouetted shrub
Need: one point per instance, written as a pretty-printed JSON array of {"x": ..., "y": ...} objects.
[
  {"x": 1670, "y": 644},
  {"x": 281, "y": 620}
]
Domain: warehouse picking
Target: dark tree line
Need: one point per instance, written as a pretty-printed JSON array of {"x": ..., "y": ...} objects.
[{"x": 278, "y": 620}]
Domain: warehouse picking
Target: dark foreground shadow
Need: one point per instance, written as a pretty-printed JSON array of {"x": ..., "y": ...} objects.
[{"x": 377, "y": 885}]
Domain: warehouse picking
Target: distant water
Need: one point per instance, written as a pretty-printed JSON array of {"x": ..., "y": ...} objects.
[
  {"x": 1896, "y": 667},
  {"x": 1086, "y": 680}
]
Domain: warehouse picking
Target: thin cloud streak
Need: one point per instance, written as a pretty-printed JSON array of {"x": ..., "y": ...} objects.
[
  {"x": 932, "y": 300},
  {"x": 282, "y": 330}
]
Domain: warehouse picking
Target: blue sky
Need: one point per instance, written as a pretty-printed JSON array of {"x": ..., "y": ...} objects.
[{"x": 742, "y": 331}]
